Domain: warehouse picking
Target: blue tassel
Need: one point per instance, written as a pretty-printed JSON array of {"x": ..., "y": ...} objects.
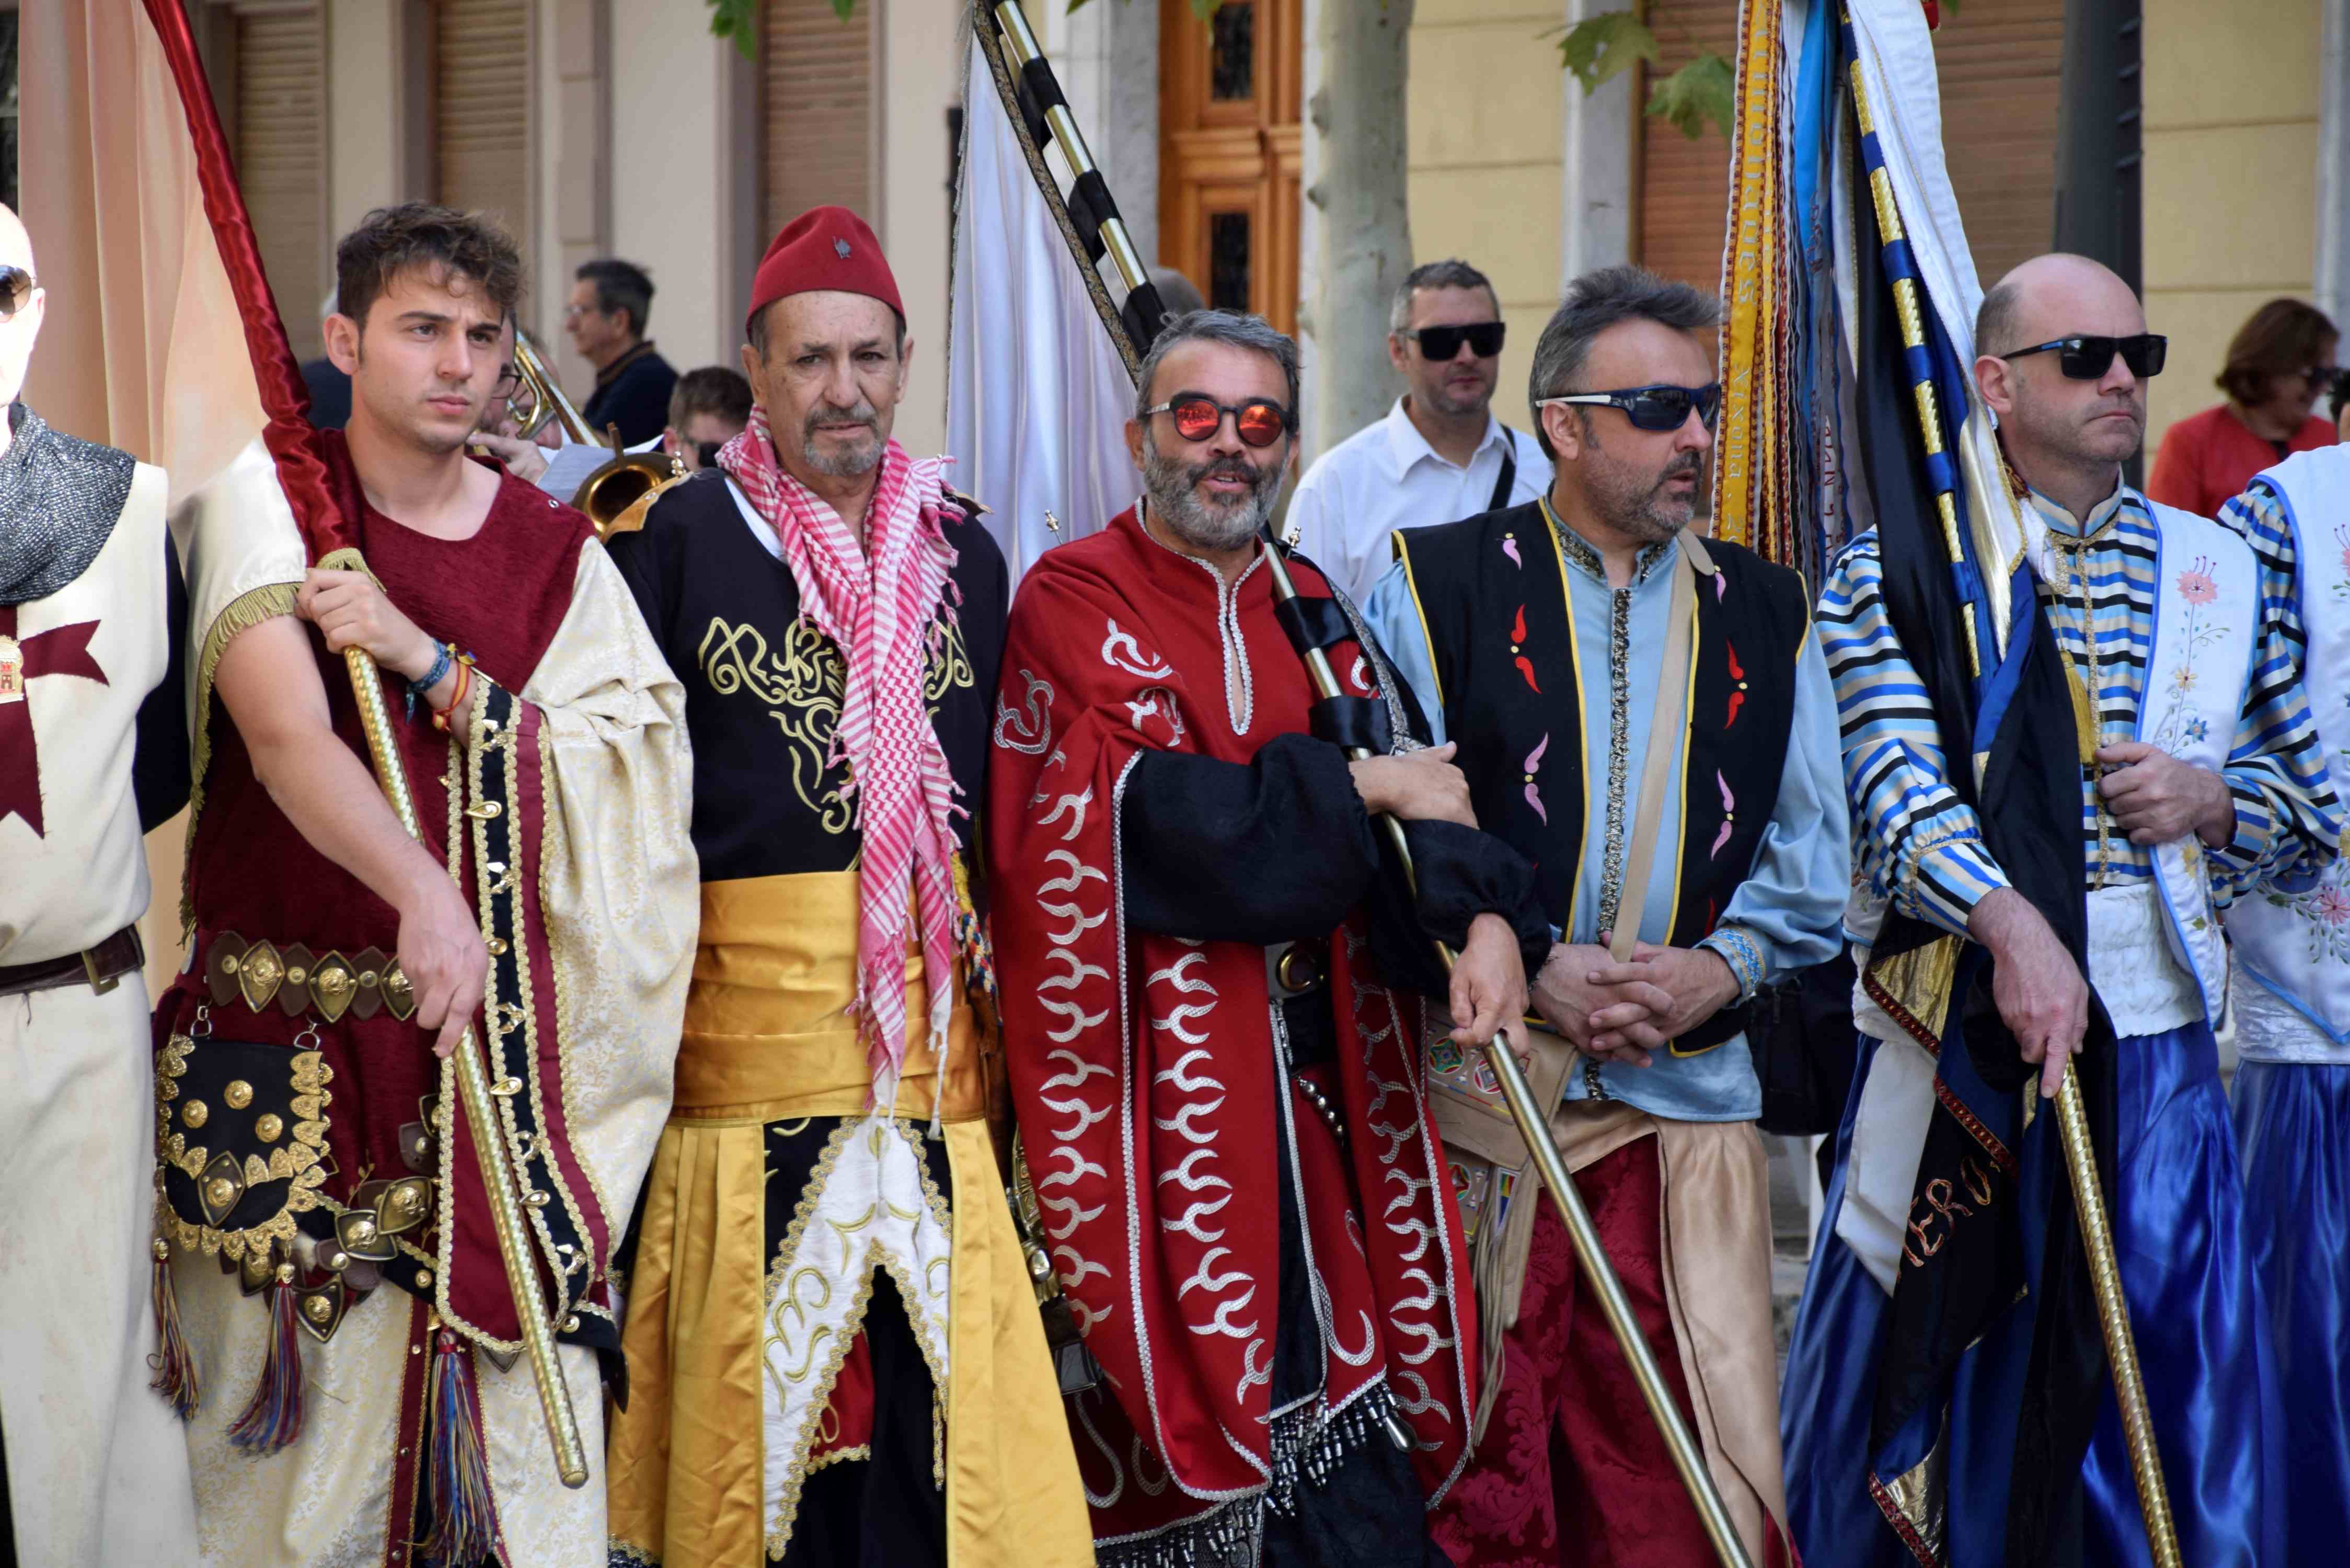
[
  {"x": 465, "y": 1519},
  {"x": 274, "y": 1418}
]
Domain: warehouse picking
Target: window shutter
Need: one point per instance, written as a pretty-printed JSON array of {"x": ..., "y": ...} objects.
[
  {"x": 481, "y": 122},
  {"x": 1998, "y": 61},
  {"x": 1684, "y": 182},
  {"x": 281, "y": 149},
  {"x": 816, "y": 96}
]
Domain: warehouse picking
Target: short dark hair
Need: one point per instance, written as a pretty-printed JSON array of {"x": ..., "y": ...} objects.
[
  {"x": 1995, "y": 318},
  {"x": 1436, "y": 274},
  {"x": 1230, "y": 326},
  {"x": 711, "y": 390},
  {"x": 2283, "y": 337},
  {"x": 620, "y": 285},
  {"x": 1595, "y": 302},
  {"x": 391, "y": 240}
]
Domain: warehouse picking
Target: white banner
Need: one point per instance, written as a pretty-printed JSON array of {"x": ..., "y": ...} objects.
[{"x": 1038, "y": 394}]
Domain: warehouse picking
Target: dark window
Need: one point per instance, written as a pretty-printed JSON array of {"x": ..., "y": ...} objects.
[
  {"x": 1232, "y": 68},
  {"x": 1228, "y": 259}
]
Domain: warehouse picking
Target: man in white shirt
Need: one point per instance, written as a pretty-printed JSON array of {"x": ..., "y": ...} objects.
[{"x": 1439, "y": 455}]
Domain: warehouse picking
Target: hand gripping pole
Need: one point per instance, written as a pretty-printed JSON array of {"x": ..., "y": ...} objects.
[
  {"x": 481, "y": 1114},
  {"x": 1589, "y": 1253}
]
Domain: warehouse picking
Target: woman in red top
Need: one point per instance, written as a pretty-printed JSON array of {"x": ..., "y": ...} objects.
[{"x": 2279, "y": 363}]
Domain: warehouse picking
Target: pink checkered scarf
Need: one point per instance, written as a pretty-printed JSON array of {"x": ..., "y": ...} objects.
[{"x": 885, "y": 605}]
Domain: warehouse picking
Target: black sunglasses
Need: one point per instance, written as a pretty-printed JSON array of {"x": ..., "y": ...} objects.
[
  {"x": 1483, "y": 337},
  {"x": 16, "y": 290},
  {"x": 1658, "y": 408},
  {"x": 2088, "y": 359}
]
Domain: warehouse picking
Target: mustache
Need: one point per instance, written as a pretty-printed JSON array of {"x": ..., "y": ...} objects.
[
  {"x": 1686, "y": 464},
  {"x": 863, "y": 413},
  {"x": 1238, "y": 468}
]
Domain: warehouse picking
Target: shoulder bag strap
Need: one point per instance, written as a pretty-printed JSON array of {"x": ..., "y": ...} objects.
[{"x": 1509, "y": 471}]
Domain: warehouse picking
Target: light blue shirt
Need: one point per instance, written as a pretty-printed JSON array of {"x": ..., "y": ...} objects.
[{"x": 1791, "y": 906}]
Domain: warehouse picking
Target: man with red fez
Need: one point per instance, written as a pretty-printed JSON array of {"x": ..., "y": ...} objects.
[
  {"x": 834, "y": 1348},
  {"x": 1215, "y": 1021}
]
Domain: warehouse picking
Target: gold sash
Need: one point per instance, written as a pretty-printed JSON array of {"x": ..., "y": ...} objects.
[{"x": 767, "y": 1032}]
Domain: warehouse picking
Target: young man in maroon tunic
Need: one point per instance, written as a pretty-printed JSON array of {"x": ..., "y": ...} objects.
[
  {"x": 307, "y": 1134},
  {"x": 1212, "y": 1021}
]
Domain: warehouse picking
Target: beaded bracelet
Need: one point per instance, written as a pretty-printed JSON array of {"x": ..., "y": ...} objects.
[{"x": 443, "y": 655}]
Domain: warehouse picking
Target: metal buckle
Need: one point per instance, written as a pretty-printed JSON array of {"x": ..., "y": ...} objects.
[
  {"x": 1292, "y": 969},
  {"x": 100, "y": 984}
]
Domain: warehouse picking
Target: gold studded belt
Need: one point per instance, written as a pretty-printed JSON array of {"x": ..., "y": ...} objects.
[{"x": 300, "y": 981}]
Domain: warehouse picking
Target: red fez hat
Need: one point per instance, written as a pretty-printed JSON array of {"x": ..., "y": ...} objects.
[{"x": 824, "y": 248}]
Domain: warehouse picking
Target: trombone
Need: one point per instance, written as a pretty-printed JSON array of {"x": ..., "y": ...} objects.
[{"x": 617, "y": 494}]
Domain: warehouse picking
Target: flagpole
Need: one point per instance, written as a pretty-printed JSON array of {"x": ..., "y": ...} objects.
[
  {"x": 1590, "y": 1252},
  {"x": 476, "y": 1093},
  {"x": 2072, "y": 1114}
]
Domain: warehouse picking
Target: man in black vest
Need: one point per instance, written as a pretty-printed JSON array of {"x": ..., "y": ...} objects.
[{"x": 1648, "y": 718}]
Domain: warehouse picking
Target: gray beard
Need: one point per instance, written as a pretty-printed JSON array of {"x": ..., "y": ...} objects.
[
  {"x": 847, "y": 464},
  {"x": 1175, "y": 503}
]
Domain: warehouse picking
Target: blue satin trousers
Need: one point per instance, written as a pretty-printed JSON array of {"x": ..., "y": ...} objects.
[
  {"x": 2293, "y": 1122},
  {"x": 2196, "y": 1309}
]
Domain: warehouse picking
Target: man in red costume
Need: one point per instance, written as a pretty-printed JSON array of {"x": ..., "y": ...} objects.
[
  {"x": 1208, "y": 1014},
  {"x": 309, "y": 1135}
]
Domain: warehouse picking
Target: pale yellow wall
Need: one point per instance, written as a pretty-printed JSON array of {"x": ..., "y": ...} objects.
[
  {"x": 2230, "y": 179},
  {"x": 1486, "y": 110}
]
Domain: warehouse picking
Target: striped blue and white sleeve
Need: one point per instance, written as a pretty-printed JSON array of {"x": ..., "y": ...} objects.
[
  {"x": 1915, "y": 841},
  {"x": 2288, "y": 816}
]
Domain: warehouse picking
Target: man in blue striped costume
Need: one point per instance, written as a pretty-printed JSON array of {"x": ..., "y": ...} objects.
[
  {"x": 2201, "y": 778},
  {"x": 2291, "y": 944}
]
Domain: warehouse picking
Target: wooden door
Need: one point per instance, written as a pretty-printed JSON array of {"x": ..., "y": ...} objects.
[{"x": 1230, "y": 90}]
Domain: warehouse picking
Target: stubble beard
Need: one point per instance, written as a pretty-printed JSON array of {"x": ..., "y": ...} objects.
[
  {"x": 852, "y": 462},
  {"x": 1452, "y": 405},
  {"x": 1635, "y": 504},
  {"x": 1176, "y": 502}
]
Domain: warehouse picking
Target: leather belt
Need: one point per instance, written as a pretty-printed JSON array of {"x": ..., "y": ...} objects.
[
  {"x": 102, "y": 966},
  {"x": 1292, "y": 969},
  {"x": 297, "y": 981}
]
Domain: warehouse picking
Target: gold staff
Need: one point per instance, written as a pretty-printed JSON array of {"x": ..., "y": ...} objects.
[
  {"x": 2072, "y": 1117},
  {"x": 1532, "y": 1126},
  {"x": 474, "y": 1089}
]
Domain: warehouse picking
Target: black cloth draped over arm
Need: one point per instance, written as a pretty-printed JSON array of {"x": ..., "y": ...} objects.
[{"x": 1281, "y": 849}]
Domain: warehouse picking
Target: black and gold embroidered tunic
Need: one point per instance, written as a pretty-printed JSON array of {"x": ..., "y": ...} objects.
[{"x": 840, "y": 1280}]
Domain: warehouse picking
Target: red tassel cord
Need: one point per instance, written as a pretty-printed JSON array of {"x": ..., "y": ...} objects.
[
  {"x": 173, "y": 1361},
  {"x": 465, "y": 1518},
  {"x": 274, "y": 1418}
]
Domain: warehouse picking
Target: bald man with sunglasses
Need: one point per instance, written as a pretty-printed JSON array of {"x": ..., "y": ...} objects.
[
  {"x": 1646, "y": 719},
  {"x": 2199, "y": 777}
]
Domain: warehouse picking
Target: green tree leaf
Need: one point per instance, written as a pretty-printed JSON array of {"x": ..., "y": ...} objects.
[
  {"x": 1700, "y": 90},
  {"x": 739, "y": 20},
  {"x": 1601, "y": 46}
]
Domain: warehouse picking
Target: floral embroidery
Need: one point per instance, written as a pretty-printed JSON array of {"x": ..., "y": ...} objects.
[
  {"x": 1517, "y": 644},
  {"x": 1729, "y": 816},
  {"x": 1737, "y": 673},
  {"x": 1509, "y": 548},
  {"x": 1534, "y": 794},
  {"x": 1526, "y": 669},
  {"x": 2324, "y": 911},
  {"x": 2179, "y": 724}
]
